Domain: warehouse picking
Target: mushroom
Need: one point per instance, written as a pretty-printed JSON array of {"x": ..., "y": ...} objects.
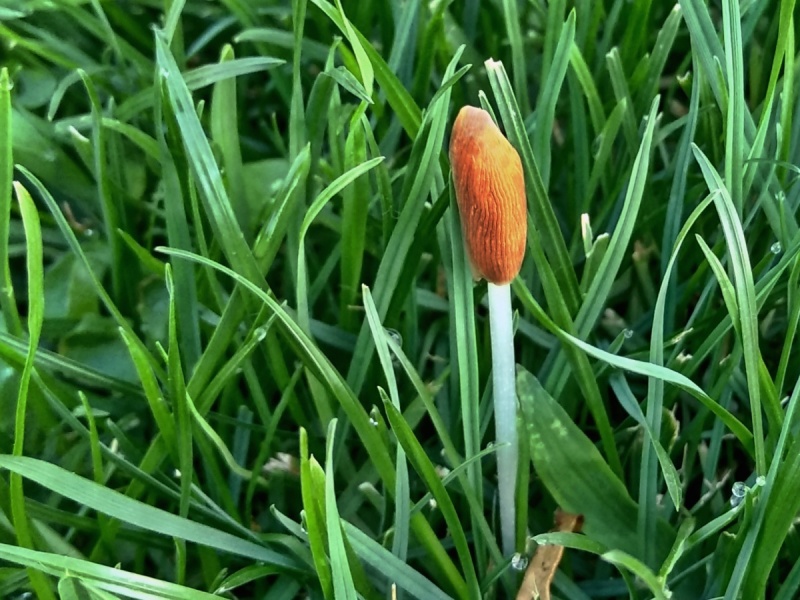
[{"x": 490, "y": 192}]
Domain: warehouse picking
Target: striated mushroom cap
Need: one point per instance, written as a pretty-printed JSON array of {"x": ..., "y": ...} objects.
[{"x": 490, "y": 191}]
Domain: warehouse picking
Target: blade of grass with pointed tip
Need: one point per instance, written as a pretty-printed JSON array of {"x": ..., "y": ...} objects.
[
  {"x": 75, "y": 246},
  {"x": 224, "y": 124},
  {"x": 423, "y": 179},
  {"x": 622, "y": 92},
  {"x": 364, "y": 63},
  {"x": 648, "y": 473},
  {"x": 35, "y": 273},
  {"x": 315, "y": 527},
  {"x": 180, "y": 409},
  {"x": 343, "y": 584},
  {"x": 199, "y": 78},
  {"x": 176, "y": 180},
  {"x": 402, "y": 499},
  {"x": 204, "y": 167},
  {"x": 426, "y": 470},
  {"x": 658, "y": 58},
  {"x": 548, "y": 97},
  {"x": 122, "y": 276},
  {"x": 745, "y": 296}
]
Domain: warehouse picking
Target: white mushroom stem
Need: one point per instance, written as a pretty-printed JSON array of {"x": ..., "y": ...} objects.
[{"x": 505, "y": 409}]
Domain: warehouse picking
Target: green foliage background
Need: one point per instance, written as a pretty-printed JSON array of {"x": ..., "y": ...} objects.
[{"x": 241, "y": 353}]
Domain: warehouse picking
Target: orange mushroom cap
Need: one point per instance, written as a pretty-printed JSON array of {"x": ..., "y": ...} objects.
[{"x": 490, "y": 191}]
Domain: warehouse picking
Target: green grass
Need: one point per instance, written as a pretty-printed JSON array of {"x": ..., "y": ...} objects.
[{"x": 241, "y": 354}]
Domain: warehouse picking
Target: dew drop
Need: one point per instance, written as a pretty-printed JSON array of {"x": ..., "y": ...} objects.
[
  {"x": 738, "y": 492},
  {"x": 395, "y": 335},
  {"x": 519, "y": 562},
  {"x": 627, "y": 334},
  {"x": 373, "y": 422},
  {"x": 775, "y": 248}
]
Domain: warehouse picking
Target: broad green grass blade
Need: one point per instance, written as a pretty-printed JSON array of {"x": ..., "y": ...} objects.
[
  {"x": 462, "y": 311},
  {"x": 224, "y": 120},
  {"x": 576, "y": 475},
  {"x": 178, "y": 227},
  {"x": 355, "y": 213}
]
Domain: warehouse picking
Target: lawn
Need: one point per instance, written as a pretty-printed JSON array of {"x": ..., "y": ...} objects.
[{"x": 243, "y": 353}]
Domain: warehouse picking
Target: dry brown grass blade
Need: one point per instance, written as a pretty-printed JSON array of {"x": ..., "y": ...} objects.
[{"x": 543, "y": 565}]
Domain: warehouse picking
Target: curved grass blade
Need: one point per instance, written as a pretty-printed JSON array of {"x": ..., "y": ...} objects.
[
  {"x": 35, "y": 272},
  {"x": 321, "y": 367},
  {"x": 745, "y": 297},
  {"x": 110, "y": 579},
  {"x": 117, "y": 505}
]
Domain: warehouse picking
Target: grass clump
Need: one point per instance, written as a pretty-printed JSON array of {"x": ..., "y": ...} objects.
[{"x": 241, "y": 350}]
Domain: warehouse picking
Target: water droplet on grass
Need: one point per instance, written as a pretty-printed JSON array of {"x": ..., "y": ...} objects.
[
  {"x": 519, "y": 562},
  {"x": 738, "y": 493}
]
